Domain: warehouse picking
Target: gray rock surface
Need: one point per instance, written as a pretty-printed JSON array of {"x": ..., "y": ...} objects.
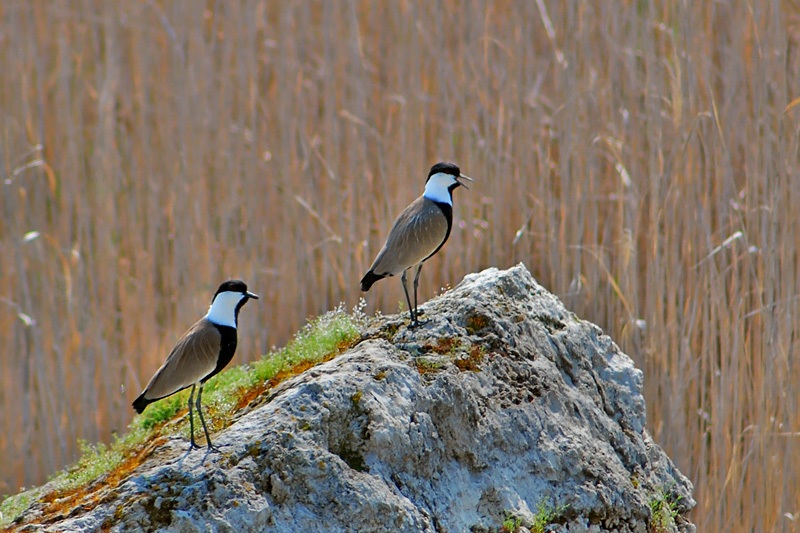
[{"x": 503, "y": 404}]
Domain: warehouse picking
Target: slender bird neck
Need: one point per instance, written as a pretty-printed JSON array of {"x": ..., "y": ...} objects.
[
  {"x": 440, "y": 188},
  {"x": 224, "y": 310}
]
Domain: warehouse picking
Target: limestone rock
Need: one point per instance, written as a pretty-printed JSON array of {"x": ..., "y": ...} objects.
[{"x": 502, "y": 406}]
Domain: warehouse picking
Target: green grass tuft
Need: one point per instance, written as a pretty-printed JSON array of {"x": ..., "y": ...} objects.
[
  {"x": 95, "y": 460},
  {"x": 98, "y": 459},
  {"x": 663, "y": 511},
  {"x": 511, "y": 524},
  {"x": 163, "y": 410},
  {"x": 321, "y": 337},
  {"x": 13, "y": 506},
  {"x": 545, "y": 515}
]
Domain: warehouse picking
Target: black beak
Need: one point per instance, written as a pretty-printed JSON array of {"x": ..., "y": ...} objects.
[
  {"x": 462, "y": 176},
  {"x": 251, "y": 295}
]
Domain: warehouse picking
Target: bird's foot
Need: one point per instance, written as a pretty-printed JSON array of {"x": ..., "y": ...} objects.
[
  {"x": 212, "y": 448},
  {"x": 416, "y": 322}
]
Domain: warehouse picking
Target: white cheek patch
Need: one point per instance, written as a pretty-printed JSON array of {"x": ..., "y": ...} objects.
[
  {"x": 436, "y": 188},
  {"x": 223, "y": 308}
]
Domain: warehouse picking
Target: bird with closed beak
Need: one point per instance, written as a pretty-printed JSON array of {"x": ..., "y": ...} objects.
[
  {"x": 200, "y": 354},
  {"x": 418, "y": 232}
]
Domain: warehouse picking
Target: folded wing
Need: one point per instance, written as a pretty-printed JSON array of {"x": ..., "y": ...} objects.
[
  {"x": 194, "y": 357},
  {"x": 418, "y": 232}
]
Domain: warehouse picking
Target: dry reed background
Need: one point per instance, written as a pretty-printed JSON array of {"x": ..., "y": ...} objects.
[{"x": 641, "y": 158}]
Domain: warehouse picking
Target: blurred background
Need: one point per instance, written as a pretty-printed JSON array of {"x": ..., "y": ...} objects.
[{"x": 641, "y": 158}]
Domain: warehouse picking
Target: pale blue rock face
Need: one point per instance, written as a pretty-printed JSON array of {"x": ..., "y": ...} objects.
[{"x": 502, "y": 403}]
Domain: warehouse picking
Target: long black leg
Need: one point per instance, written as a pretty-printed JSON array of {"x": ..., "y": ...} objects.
[
  {"x": 408, "y": 299},
  {"x": 202, "y": 420},
  {"x": 416, "y": 284},
  {"x": 191, "y": 419}
]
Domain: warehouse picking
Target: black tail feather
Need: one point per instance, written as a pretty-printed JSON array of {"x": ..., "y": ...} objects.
[
  {"x": 140, "y": 403},
  {"x": 368, "y": 279}
]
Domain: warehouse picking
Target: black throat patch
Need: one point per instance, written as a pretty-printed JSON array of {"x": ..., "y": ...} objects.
[
  {"x": 447, "y": 210},
  {"x": 227, "y": 348}
]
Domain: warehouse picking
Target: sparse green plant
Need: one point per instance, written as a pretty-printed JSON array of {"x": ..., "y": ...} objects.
[
  {"x": 546, "y": 515},
  {"x": 536, "y": 523},
  {"x": 663, "y": 511},
  {"x": 95, "y": 460},
  {"x": 426, "y": 365},
  {"x": 511, "y": 524},
  {"x": 12, "y": 506},
  {"x": 330, "y": 333}
]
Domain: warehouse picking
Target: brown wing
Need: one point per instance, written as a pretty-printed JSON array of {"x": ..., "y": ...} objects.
[
  {"x": 416, "y": 234},
  {"x": 193, "y": 358}
]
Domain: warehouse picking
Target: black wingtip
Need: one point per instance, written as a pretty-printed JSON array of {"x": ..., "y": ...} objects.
[
  {"x": 369, "y": 279},
  {"x": 140, "y": 403}
]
